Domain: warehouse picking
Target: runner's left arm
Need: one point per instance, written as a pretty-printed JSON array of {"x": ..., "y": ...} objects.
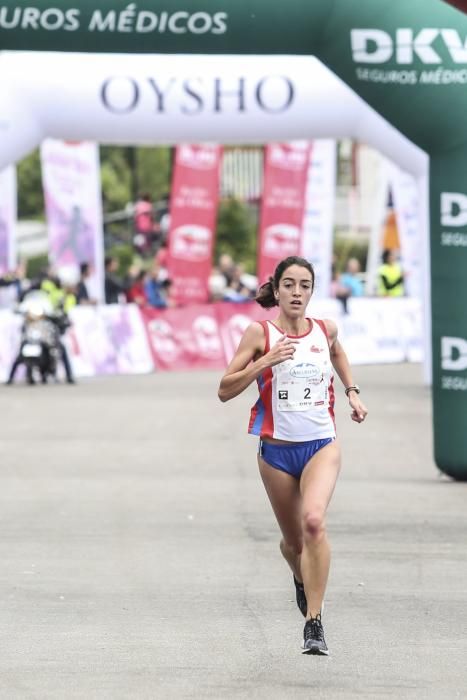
[{"x": 341, "y": 364}]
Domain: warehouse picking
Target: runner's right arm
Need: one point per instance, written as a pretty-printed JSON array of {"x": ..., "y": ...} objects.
[{"x": 241, "y": 372}]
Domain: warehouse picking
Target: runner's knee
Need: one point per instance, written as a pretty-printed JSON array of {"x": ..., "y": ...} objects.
[
  {"x": 290, "y": 549},
  {"x": 313, "y": 524}
]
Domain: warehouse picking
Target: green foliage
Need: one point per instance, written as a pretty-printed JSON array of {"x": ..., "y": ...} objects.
[
  {"x": 125, "y": 256},
  {"x": 236, "y": 232},
  {"x": 35, "y": 265},
  {"x": 154, "y": 171},
  {"x": 30, "y": 195},
  {"x": 115, "y": 179},
  {"x": 125, "y": 172},
  {"x": 345, "y": 248}
]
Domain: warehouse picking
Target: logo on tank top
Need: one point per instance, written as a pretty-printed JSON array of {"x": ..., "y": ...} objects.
[
  {"x": 314, "y": 348},
  {"x": 305, "y": 370}
]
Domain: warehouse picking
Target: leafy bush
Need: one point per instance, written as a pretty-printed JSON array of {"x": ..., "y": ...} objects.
[
  {"x": 237, "y": 232},
  {"x": 345, "y": 248}
]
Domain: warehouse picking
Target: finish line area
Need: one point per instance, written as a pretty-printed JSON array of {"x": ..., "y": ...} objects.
[{"x": 140, "y": 558}]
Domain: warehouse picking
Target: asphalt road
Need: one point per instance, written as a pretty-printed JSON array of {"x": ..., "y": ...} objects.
[{"x": 139, "y": 555}]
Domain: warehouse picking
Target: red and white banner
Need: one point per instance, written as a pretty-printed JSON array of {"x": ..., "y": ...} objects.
[
  {"x": 193, "y": 213},
  {"x": 186, "y": 338},
  {"x": 8, "y": 209},
  {"x": 283, "y": 204},
  {"x": 73, "y": 202}
]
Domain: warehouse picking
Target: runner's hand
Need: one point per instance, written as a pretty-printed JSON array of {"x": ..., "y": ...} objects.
[
  {"x": 283, "y": 350},
  {"x": 359, "y": 411}
]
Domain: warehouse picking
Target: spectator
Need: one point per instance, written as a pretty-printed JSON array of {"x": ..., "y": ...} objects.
[
  {"x": 82, "y": 291},
  {"x": 217, "y": 285},
  {"x": 12, "y": 286},
  {"x": 157, "y": 287},
  {"x": 226, "y": 267},
  {"x": 337, "y": 290},
  {"x": 350, "y": 278},
  {"x": 237, "y": 291},
  {"x": 136, "y": 293},
  {"x": 390, "y": 276},
  {"x": 162, "y": 256},
  {"x": 146, "y": 230},
  {"x": 113, "y": 288}
]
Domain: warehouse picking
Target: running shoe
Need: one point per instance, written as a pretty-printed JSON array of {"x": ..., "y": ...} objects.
[
  {"x": 313, "y": 637},
  {"x": 300, "y": 597}
]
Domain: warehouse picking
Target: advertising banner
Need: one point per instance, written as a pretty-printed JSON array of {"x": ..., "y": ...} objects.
[
  {"x": 8, "y": 215},
  {"x": 406, "y": 203},
  {"x": 283, "y": 204},
  {"x": 108, "y": 339},
  {"x": 72, "y": 190},
  {"x": 124, "y": 339},
  {"x": 193, "y": 213},
  {"x": 186, "y": 338},
  {"x": 318, "y": 222}
]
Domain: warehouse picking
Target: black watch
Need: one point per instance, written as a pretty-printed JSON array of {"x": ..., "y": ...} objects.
[{"x": 352, "y": 388}]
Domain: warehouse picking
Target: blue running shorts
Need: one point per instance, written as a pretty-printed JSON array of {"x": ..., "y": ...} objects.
[{"x": 292, "y": 458}]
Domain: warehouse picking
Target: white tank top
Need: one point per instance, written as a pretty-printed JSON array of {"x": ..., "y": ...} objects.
[{"x": 297, "y": 396}]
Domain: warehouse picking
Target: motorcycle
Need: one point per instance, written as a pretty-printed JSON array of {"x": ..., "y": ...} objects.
[{"x": 40, "y": 349}]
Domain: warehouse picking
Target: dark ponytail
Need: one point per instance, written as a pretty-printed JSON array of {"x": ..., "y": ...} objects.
[{"x": 265, "y": 296}]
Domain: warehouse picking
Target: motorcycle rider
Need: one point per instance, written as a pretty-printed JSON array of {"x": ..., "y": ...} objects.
[{"x": 61, "y": 299}]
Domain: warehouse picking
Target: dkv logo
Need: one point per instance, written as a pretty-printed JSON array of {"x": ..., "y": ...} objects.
[
  {"x": 453, "y": 209},
  {"x": 378, "y": 46},
  {"x": 453, "y": 354}
]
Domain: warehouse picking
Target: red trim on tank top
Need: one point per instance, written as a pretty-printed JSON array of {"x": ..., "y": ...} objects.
[
  {"x": 322, "y": 325},
  {"x": 332, "y": 397},
  {"x": 293, "y": 336},
  {"x": 265, "y": 392}
]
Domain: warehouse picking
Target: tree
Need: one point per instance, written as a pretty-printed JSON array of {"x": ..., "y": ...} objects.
[
  {"x": 236, "y": 232},
  {"x": 30, "y": 195}
]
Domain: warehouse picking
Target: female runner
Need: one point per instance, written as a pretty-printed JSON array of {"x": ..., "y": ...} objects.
[{"x": 299, "y": 457}]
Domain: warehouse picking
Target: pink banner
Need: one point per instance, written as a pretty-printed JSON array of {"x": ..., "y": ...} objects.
[
  {"x": 193, "y": 213},
  {"x": 283, "y": 204},
  {"x": 187, "y": 338},
  {"x": 72, "y": 189}
]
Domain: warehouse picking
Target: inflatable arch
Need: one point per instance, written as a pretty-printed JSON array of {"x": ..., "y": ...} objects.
[{"x": 406, "y": 61}]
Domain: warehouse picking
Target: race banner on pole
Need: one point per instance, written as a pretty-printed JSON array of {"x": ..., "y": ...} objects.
[
  {"x": 318, "y": 223},
  {"x": 72, "y": 189},
  {"x": 406, "y": 202},
  {"x": 8, "y": 214},
  {"x": 193, "y": 213},
  {"x": 283, "y": 204}
]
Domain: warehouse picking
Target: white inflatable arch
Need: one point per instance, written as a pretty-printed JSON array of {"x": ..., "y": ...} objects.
[{"x": 168, "y": 99}]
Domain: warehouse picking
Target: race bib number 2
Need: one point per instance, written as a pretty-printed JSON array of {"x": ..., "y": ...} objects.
[{"x": 300, "y": 387}]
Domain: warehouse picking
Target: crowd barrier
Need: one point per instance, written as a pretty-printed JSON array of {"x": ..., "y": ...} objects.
[{"x": 123, "y": 339}]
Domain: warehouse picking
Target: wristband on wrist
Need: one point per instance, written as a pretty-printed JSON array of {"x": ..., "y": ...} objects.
[{"x": 352, "y": 388}]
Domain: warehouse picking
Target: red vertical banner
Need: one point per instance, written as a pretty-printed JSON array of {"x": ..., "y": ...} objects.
[
  {"x": 283, "y": 204},
  {"x": 193, "y": 213}
]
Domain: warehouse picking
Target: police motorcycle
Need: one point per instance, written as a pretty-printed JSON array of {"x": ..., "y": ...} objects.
[{"x": 40, "y": 336}]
